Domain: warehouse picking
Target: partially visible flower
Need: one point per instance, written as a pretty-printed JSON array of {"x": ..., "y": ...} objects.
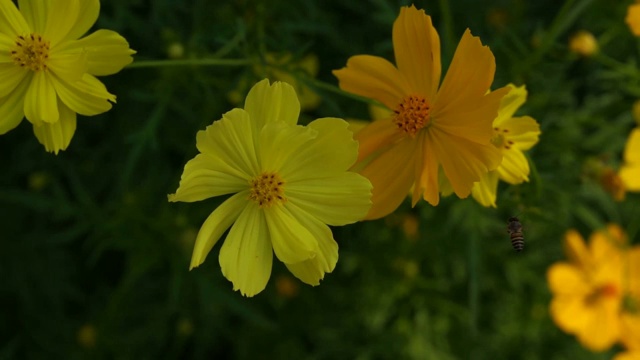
[
  {"x": 48, "y": 72},
  {"x": 436, "y": 127},
  {"x": 635, "y": 110},
  {"x": 87, "y": 336},
  {"x": 511, "y": 135},
  {"x": 630, "y": 316},
  {"x": 628, "y": 355},
  {"x": 630, "y": 170},
  {"x": 287, "y": 287},
  {"x": 288, "y": 183},
  {"x": 588, "y": 289},
  {"x": 633, "y": 18},
  {"x": 583, "y": 43},
  {"x": 273, "y": 69}
]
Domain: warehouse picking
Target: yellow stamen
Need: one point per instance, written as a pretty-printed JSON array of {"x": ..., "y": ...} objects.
[
  {"x": 267, "y": 189},
  {"x": 31, "y": 51},
  {"x": 412, "y": 114}
]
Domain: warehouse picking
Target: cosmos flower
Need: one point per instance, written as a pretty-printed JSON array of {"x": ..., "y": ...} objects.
[
  {"x": 287, "y": 183},
  {"x": 436, "y": 127},
  {"x": 630, "y": 170},
  {"x": 511, "y": 135},
  {"x": 633, "y": 18},
  {"x": 48, "y": 71},
  {"x": 588, "y": 289}
]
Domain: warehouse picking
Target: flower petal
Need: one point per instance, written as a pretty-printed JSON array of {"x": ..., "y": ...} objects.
[
  {"x": 68, "y": 66},
  {"x": 514, "y": 168},
  {"x": 428, "y": 177},
  {"x": 12, "y": 107},
  {"x": 632, "y": 148},
  {"x": 207, "y": 176},
  {"x": 485, "y": 191},
  {"x": 12, "y": 23},
  {"x": 57, "y": 136},
  {"x": 576, "y": 250},
  {"x": 416, "y": 46},
  {"x": 231, "y": 139},
  {"x": 567, "y": 280},
  {"x": 524, "y": 131},
  {"x": 373, "y": 77},
  {"x": 215, "y": 225},
  {"x": 291, "y": 241},
  {"x": 35, "y": 13},
  {"x": 602, "y": 327},
  {"x": 246, "y": 255},
  {"x": 87, "y": 97},
  {"x": 6, "y": 45},
  {"x": 376, "y": 136},
  {"x": 569, "y": 313},
  {"x": 61, "y": 17},
  {"x": 279, "y": 142},
  {"x": 106, "y": 52},
  {"x": 268, "y": 103},
  {"x": 391, "y": 174},
  {"x": 332, "y": 150},
  {"x": 87, "y": 16},
  {"x": 510, "y": 103},
  {"x": 312, "y": 271},
  {"x": 41, "y": 102},
  {"x": 337, "y": 200},
  {"x": 633, "y": 18},
  {"x": 10, "y": 77},
  {"x": 630, "y": 175}
]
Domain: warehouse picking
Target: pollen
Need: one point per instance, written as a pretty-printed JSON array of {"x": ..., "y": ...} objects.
[
  {"x": 498, "y": 140},
  {"x": 267, "y": 189},
  {"x": 412, "y": 114},
  {"x": 31, "y": 52}
]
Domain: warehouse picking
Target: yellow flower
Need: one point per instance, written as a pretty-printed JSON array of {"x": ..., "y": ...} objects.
[
  {"x": 583, "y": 43},
  {"x": 628, "y": 355},
  {"x": 511, "y": 135},
  {"x": 630, "y": 170},
  {"x": 434, "y": 125},
  {"x": 630, "y": 316},
  {"x": 588, "y": 290},
  {"x": 633, "y": 18},
  {"x": 288, "y": 182},
  {"x": 48, "y": 72}
]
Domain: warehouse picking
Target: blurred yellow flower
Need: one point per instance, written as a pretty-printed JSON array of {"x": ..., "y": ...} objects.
[
  {"x": 434, "y": 126},
  {"x": 48, "y": 72},
  {"x": 588, "y": 290},
  {"x": 628, "y": 355},
  {"x": 630, "y": 316},
  {"x": 630, "y": 170},
  {"x": 583, "y": 43},
  {"x": 288, "y": 182},
  {"x": 511, "y": 135},
  {"x": 633, "y": 18}
]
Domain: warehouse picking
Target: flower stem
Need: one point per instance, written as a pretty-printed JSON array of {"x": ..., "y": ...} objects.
[{"x": 190, "y": 62}]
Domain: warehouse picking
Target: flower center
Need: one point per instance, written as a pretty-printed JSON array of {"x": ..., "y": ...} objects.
[
  {"x": 604, "y": 291},
  {"x": 498, "y": 140},
  {"x": 412, "y": 114},
  {"x": 267, "y": 189},
  {"x": 31, "y": 51}
]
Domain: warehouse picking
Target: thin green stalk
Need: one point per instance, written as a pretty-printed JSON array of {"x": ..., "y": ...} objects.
[
  {"x": 189, "y": 62},
  {"x": 447, "y": 32}
]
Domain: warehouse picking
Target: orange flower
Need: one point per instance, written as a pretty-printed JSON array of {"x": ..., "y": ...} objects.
[
  {"x": 588, "y": 290},
  {"x": 434, "y": 125}
]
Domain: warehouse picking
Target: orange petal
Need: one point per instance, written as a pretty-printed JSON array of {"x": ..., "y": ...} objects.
[
  {"x": 373, "y": 77},
  {"x": 427, "y": 181},
  {"x": 416, "y": 47},
  {"x": 376, "y": 136}
]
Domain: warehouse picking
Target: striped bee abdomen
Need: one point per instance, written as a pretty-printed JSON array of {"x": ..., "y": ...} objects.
[{"x": 514, "y": 228}]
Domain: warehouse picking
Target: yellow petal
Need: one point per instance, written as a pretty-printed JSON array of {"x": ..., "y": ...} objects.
[
  {"x": 376, "y": 136},
  {"x": 463, "y": 161},
  {"x": 391, "y": 174},
  {"x": 524, "y": 131},
  {"x": 12, "y": 23},
  {"x": 485, "y": 190},
  {"x": 291, "y": 241},
  {"x": 35, "y": 13},
  {"x": 61, "y": 17},
  {"x": 87, "y": 16},
  {"x": 268, "y": 103},
  {"x": 41, "y": 102},
  {"x": 630, "y": 330},
  {"x": 106, "y": 52},
  {"x": 373, "y": 77},
  {"x": 514, "y": 168},
  {"x": 416, "y": 47},
  {"x": 10, "y": 77},
  {"x": 606, "y": 245},
  {"x": 632, "y": 148},
  {"x": 278, "y": 145},
  {"x": 207, "y": 176},
  {"x": 602, "y": 328},
  {"x": 337, "y": 200},
  {"x": 12, "y": 107},
  {"x": 633, "y": 18},
  {"x": 246, "y": 255},
  {"x": 628, "y": 355},
  {"x": 567, "y": 280},
  {"x": 576, "y": 250},
  {"x": 231, "y": 139},
  {"x": 630, "y": 175},
  {"x": 216, "y": 224},
  {"x": 468, "y": 79},
  {"x": 511, "y": 103},
  {"x": 6, "y": 43},
  {"x": 68, "y": 66},
  {"x": 332, "y": 150},
  {"x": 312, "y": 271},
  {"x": 87, "y": 97},
  {"x": 430, "y": 173},
  {"x": 569, "y": 313},
  {"x": 57, "y": 136}
]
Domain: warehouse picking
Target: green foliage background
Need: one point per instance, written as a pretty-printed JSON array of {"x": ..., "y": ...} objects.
[{"x": 87, "y": 238}]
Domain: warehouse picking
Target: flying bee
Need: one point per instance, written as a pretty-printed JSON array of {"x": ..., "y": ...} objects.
[{"x": 514, "y": 228}]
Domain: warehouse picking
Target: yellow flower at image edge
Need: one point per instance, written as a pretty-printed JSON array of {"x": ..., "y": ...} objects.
[
  {"x": 511, "y": 135},
  {"x": 435, "y": 127},
  {"x": 630, "y": 170},
  {"x": 633, "y": 18},
  {"x": 289, "y": 182},
  {"x": 48, "y": 72},
  {"x": 588, "y": 290}
]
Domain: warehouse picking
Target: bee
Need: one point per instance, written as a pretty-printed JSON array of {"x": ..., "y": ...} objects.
[{"x": 514, "y": 228}]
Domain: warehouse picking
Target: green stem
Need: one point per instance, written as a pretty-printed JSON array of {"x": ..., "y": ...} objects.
[
  {"x": 190, "y": 62},
  {"x": 617, "y": 66}
]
